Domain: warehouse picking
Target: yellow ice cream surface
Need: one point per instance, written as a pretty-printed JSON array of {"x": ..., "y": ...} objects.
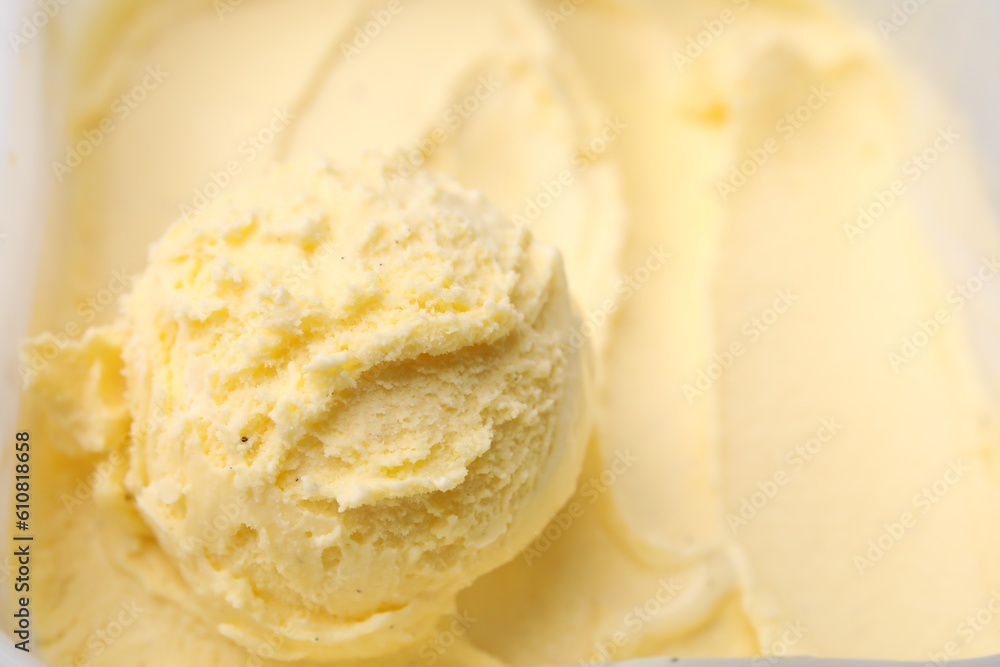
[
  {"x": 348, "y": 397},
  {"x": 775, "y": 470}
]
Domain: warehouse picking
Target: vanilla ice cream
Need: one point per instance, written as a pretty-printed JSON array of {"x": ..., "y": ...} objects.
[
  {"x": 371, "y": 378},
  {"x": 795, "y": 449}
]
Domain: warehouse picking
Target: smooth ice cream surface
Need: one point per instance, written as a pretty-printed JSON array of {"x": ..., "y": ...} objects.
[
  {"x": 711, "y": 172},
  {"x": 369, "y": 379}
]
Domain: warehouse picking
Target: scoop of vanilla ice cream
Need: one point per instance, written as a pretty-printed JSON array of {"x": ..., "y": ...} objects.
[{"x": 350, "y": 397}]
